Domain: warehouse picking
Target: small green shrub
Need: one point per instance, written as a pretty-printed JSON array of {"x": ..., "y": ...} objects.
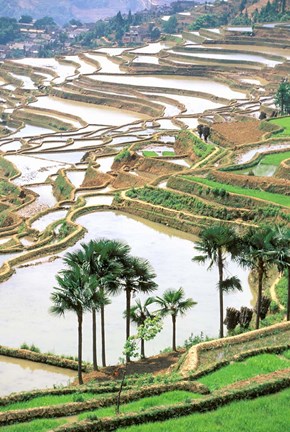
[{"x": 78, "y": 398}]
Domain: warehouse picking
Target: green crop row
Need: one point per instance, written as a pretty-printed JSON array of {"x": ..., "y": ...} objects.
[{"x": 255, "y": 193}]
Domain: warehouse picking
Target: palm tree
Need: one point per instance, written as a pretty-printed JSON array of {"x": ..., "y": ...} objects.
[
  {"x": 138, "y": 314},
  {"x": 73, "y": 294},
  {"x": 137, "y": 276},
  {"x": 281, "y": 255},
  {"x": 216, "y": 243},
  {"x": 255, "y": 254},
  {"x": 101, "y": 258},
  {"x": 173, "y": 303},
  {"x": 108, "y": 258}
]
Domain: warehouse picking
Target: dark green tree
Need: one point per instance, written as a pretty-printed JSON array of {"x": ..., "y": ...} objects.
[
  {"x": 281, "y": 255},
  {"x": 282, "y": 97},
  {"x": 137, "y": 277},
  {"x": 100, "y": 259},
  {"x": 26, "y": 19},
  {"x": 138, "y": 314},
  {"x": 216, "y": 243},
  {"x": 74, "y": 293},
  {"x": 256, "y": 254},
  {"x": 9, "y": 30},
  {"x": 170, "y": 26},
  {"x": 174, "y": 303},
  {"x": 44, "y": 22}
]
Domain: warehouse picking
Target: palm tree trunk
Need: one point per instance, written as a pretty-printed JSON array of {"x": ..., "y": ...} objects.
[
  {"x": 260, "y": 290},
  {"x": 143, "y": 318},
  {"x": 128, "y": 306},
  {"x": 288, "y": 301},
  {"x": 221, "y": 298},
  {"x": 142, "y": 348},
  {"x": 80, "y": 346},
  {"x": 103, "y": 336},
  {"x": 94, "y": 331},
  {"x": 174, "y": 333},
  {"x": 283, "y": 6}
]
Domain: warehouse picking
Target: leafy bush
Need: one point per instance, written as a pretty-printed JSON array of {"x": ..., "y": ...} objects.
[
  {"x": 78, "y": 398},
  {"x": 62, "y": 187},
  {"x": 194, "y": 340},
  {"x": 191, "y": 204},
  {"x": 123, "y": 155},
  {"x": 31, "y": 347}
]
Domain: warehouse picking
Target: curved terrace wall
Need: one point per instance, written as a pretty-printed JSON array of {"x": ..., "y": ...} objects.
[{"x": 276, "y": 185}]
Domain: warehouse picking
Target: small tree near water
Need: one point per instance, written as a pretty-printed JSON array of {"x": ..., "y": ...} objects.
[
  {"x": 146, "y": 331},
  {"x": 282, "y": 97}
]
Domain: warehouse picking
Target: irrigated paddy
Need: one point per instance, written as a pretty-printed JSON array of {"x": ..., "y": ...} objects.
[
  {"x": 95, "y": 114},
  {"x": 28, "y": 319},
  {"x": 177, "y": 82},
  {"x": 19, "y": 375}
]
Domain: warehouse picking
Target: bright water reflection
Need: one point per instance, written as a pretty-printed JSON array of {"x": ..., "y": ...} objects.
[
  {"x": 91, "y": 113},
  {"x": 176, "y": 82},
  {"x": 22, "y": 375},
  {"x": 24, "y": 298}
]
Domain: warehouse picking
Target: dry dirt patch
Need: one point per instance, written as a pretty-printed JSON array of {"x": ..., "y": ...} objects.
[
  {"x": 238, "y": 133},
  {"x": 154, "y": 365}
]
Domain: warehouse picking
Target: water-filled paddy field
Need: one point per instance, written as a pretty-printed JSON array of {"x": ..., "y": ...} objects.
[
  {"x": 22, "y": 375},
  {"x": 25, "y": 296},
  {"x": 28, "y": 319},
  {"x": 177, "y": 82}
]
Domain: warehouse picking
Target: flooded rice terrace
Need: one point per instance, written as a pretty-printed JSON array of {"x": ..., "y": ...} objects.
[
  {"x": 25, "y": 296},
  {"x": 93, "y": 107},
  {"x": 21, "y": 375}
]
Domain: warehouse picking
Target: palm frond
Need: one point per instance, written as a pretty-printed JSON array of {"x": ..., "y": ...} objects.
[{"x": 230, "y": 284}]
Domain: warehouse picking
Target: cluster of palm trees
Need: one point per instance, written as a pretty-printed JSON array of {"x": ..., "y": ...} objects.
[
  {"x": 258, "y": 249},
  {"x": 103, "y": 268}
]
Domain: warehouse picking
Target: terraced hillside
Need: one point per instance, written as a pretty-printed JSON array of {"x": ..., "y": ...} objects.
[
  {"x": 254, "y": 376},
  {"x": 90, "y": 140}
]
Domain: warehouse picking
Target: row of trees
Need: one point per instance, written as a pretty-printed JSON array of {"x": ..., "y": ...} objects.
[
  {"x": 105, "y": 267},
  {"x": 258, "y": 249},
  {"x": 171, "y": 303}
]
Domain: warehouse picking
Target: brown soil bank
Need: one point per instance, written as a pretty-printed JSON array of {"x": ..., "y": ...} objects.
[
  {"x": 237, "y": 133},
  {"x": 153, "y": 365},
  {"x": 284, "y": 170},
  {"x": 126, "y": 180}
]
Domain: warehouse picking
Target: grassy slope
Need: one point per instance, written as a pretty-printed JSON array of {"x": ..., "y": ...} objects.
[
  {"x": 41, "y": 425},
  {"x": 251, "y": 367},
  {"x": 169, "y": 398},
  {"x": 255, "y": 193},
  {"x": 275, "y": 158},
  {"x": 227, "y": 352},
  {"x": 281, "y": 291},
  {"x": 261, "y": 364},
  {"x": 282, "y": 122},
  {"x": 268, "y": 413},
  {"x": 49, "y": 401}
]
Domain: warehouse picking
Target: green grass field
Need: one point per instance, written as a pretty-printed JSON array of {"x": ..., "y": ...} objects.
[
  {"x": 255, "y": 193},
  {"x": 41, "y": 425},
  {"x": 239, "y": 415},
  {"x": 168, "y": 153},
  {"x": 275, "y": 158},
  {"x": 281, "y": 291},
  {"x": 169, "y": 398},
  {"x": 267, "y": 413},
  {"x": 50, "y": 400},
  {"x": 282, "y": 122},
  {"x": 149, "y": 153},
  {"x": 239, "y": 371}
]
